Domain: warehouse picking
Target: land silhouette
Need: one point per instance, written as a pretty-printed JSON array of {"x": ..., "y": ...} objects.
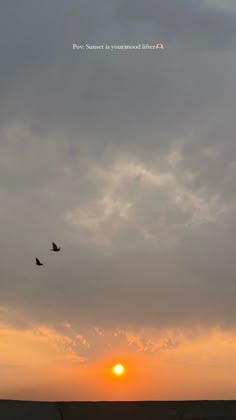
[{"x": 133, "y": 410}]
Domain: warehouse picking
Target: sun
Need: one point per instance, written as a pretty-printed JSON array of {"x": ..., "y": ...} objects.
[{"x": 118, "y": 369}]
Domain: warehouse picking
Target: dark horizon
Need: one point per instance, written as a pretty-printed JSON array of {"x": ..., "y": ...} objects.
[{"x": 160, "y": 410}]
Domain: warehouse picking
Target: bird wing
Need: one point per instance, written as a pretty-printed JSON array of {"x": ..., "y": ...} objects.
[
  {"x": 54, "y": 245},
  {"x": 37, "y": 261}
]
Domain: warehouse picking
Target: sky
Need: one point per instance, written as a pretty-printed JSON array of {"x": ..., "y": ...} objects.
[{"x": 127, "y": 160}]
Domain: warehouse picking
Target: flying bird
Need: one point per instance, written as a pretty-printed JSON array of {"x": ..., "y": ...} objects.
[
  {"x": 38, "y": 262},
  {"x": 55, "y": 248}
]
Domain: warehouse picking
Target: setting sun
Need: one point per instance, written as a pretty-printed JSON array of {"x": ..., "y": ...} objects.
[{"x": 118, "y": 370}]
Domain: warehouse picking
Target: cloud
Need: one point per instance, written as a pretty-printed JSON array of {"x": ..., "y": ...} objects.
[
  {"x": 194, "y": 23},
  {"x": 127, "y": 160},
  {"x": 229, "y": 5},
  {"x": 154, "y": 203}
]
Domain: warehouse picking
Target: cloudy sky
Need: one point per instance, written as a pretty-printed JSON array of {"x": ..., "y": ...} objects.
[{"x": 127, "y": 160}]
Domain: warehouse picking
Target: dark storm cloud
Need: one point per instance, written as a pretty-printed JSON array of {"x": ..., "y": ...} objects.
[
  {"x": 60, "y": 88},
  {"x": 63, "y": 111},
  {"x": 192, "y": 22}
]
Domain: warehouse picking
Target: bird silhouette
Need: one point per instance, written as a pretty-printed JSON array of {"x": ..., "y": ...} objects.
[
  {"x": 38, "y": 262},
  {"x": 55, "y": 248}
]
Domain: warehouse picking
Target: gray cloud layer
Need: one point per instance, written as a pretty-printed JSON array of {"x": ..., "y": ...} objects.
[{"x": 127, "y": 159}]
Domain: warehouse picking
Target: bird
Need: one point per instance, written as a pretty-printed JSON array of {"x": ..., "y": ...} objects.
[
  {"x": 55, "y": 248},
  {"x": 38, "y": 262}
]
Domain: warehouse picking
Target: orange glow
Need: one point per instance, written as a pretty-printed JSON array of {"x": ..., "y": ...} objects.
[
  {"x": 118, "y": 369},
  {"x": 41, "y": 364}
]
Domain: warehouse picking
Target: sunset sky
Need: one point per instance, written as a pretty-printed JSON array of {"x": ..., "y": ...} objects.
[{"x": 127, "y": 160}]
